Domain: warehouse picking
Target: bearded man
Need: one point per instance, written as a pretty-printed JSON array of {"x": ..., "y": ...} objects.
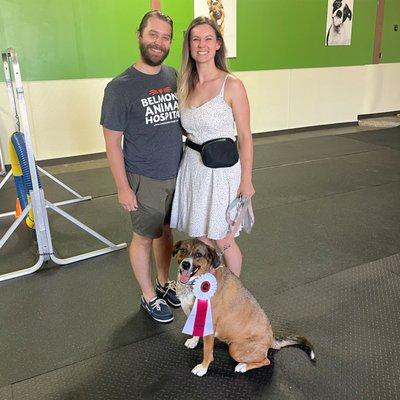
[{"x": 140, "y": 106}]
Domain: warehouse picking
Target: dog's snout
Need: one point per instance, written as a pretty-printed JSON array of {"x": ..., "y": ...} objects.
[{"x": 185, "y": 265}]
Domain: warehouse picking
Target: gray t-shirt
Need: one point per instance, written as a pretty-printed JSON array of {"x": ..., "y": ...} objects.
[{"x": 145, "y": 108}]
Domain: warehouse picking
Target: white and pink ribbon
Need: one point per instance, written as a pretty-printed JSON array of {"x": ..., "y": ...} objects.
[{"x": 199, "y": 322}]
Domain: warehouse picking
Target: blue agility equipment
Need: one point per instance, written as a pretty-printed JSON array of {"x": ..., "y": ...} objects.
[
  {"x": 22, "y": 175},
  {"x": 18, "y": 140}
]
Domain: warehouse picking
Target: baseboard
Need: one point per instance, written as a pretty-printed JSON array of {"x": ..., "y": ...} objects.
[
  {"x": 377, "y": 115},
  {"x": 65, "y": 160},
  {"x": 68, "y": 160},
  {"x": 305, "y": 129}
]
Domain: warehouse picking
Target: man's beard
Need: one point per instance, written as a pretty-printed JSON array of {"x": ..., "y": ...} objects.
[{"x": 152, "y": 59}]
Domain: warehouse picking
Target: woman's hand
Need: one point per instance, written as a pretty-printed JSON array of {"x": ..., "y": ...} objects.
[{"x": 246, "y": 189}]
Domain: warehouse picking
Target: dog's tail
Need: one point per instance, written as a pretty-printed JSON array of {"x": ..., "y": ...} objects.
[{"x": 297, "y": 341}]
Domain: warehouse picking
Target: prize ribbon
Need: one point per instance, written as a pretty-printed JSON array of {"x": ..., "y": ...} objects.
[{"x": 199, "y": 322}]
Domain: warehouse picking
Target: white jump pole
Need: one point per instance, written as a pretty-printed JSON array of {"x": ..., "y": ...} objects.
[{"x": 2, "y": 165}]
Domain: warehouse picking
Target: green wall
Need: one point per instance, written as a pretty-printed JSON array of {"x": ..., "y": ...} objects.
[
  {"x": 69, "y": 39},
  {"x": 390, "y": 38},
  {"x": 290, "y": 34}
]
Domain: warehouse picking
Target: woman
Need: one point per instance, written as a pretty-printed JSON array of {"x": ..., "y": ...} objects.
[{"x": 211, "y": 102}]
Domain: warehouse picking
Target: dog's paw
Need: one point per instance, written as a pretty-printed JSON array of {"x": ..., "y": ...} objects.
[
  {"x": 199, "y": 370},
  {"x": 192, "y": 342},
  {"x": 241, "y": 367}
]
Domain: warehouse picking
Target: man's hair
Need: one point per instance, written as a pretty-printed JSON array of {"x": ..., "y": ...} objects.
[{"x": 156, "y": 14}]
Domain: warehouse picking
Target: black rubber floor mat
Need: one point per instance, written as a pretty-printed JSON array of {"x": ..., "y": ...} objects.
[
  {"x": 6, "y": 393},
  {"x": 158, "y": 368},
  {"x": 325, "y": 177},
  {"x": 389, "y": 137},
  {"x": 392, "y": 263},
  {"x": 302, "y": 150},
  {"x": 351, "y": 317},
  {"x": 95, "y": 182}
]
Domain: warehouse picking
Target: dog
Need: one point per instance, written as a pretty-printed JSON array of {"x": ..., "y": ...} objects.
[
  {"x": 238, "y": 319},
  {"x": 217, "y": 13},
  {"x": 338, "y": 32}
]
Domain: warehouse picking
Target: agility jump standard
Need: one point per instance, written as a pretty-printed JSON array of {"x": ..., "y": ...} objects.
[
  {"x": 7, "y": 66},
  {"x": 38, "y": 202}
]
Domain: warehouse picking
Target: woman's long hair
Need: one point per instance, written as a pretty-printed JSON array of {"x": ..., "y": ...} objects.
[{"x": 188, "y": 76}]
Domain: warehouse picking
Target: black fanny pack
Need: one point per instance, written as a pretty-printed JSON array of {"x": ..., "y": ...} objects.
[{"x": 217, "y": 153}]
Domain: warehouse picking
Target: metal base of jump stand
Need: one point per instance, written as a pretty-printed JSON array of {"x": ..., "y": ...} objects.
[
  {"x": 43, "y": 236},
  {"x": 38, "y": 202},
  {"x": 78, "y": 197}
]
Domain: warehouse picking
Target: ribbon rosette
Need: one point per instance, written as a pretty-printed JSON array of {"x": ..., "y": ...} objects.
[{"x": 199, "y": 322}]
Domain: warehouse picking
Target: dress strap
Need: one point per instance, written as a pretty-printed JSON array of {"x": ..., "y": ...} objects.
[{"x": 222, "y": 92}]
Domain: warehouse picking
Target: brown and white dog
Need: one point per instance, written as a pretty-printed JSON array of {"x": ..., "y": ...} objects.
[
  {"x": 217, "y": 13},
  {"x": 238, "y": 319}
]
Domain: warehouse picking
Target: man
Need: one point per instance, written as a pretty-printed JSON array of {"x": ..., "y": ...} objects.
[{"x": 140, "y": 106}]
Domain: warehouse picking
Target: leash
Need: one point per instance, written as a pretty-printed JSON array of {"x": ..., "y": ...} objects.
[
  {"x": 240, "y": 205},
  {"x": 243, "y": 213},
  {"x": 243, "y": 209}
]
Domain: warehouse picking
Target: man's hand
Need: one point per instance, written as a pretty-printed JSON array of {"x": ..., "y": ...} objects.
[
  {"x": 126, "y": 196},
  {"x": 127, "y": 199}
]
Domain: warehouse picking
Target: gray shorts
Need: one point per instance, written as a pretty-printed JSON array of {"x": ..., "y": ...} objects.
[{"x": 154, "y": 204}]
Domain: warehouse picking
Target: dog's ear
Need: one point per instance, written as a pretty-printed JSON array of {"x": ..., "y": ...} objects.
[
  {"x": 336, "y": 5},
  {"x": 346, "y": 13},
  {"x": 176, "y": 247},
  {"x": 215, "y": 258}
]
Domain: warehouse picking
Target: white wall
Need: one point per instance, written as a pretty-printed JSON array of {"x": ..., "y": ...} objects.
[
  {"x": 285, "y": 99},
  {"x": 64, "y": 115}
]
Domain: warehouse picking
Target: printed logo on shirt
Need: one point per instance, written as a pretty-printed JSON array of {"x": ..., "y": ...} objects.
[
  {"x": 166, "y": 89},
  {"x": 161, "y": 107}
]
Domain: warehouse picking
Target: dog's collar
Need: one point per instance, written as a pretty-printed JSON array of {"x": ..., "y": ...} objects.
[
  {"x": 212, "y": 270},
  {"x": 220, "y": 253}
]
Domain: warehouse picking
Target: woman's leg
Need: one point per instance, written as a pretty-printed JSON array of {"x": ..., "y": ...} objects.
[
  {"x": 207, "y": 241},
  {"x": 232, "y": 254}
]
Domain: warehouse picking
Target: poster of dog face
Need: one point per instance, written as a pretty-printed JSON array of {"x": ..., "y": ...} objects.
[
  {"x": 224, "y": 13},
  {"x": 339, "y": 23}
]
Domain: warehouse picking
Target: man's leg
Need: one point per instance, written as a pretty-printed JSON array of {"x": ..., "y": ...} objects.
[
  {"x": 147, "y": 222},
  {"x": 165, "y": 288},
  {"x": 140, "y": 256},
  {"x": 207, "y": 241},
  {"x": 162, "y": 248}
]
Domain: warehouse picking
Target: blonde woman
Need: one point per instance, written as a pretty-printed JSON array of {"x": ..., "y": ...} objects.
[{"x": 211, "y": 102}]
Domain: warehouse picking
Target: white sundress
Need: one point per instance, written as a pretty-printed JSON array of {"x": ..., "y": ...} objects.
[{"x": 203, "y": 194}]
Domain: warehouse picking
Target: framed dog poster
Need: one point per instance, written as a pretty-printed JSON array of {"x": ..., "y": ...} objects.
[
  {"x": 224, "y": 12},
  {"x": 339, "y": 23}
]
